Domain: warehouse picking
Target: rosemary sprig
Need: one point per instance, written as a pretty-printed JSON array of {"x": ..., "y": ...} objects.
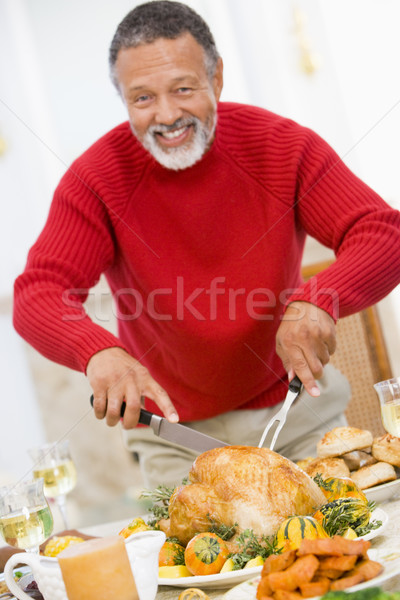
[
  {"x": 250, "y": 546},
  {"x": 322, "y": 483},
  {"x": 160, "y": 498},
  {"x": 161, "y": 494},
  {"x": 340, "y": 515},
  {"x": 371, "y": 525},
  {"x": 226, "y": 532}
]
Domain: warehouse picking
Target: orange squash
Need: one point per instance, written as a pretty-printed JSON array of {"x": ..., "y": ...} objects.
[
  {"x": 337, "y": 516},
  {"x": 171, "y": 553},
  {"x": 293, "y": 530},
  {"x": 134, "y": 526},
  {"x": 206, "y": 554},
  {"x": 341, "y": 487}
]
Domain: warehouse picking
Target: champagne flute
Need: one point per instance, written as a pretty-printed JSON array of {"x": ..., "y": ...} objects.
[
  {"x": 389, "y": 397},
  {"x": 25, "y": 517},
  {"x": 54, "y": 463}
]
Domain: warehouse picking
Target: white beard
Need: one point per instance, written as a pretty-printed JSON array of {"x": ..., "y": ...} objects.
[{"x": 184, "y": 156}]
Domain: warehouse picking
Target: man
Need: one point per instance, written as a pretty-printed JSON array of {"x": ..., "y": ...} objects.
[{"x": 197, "y": 212}]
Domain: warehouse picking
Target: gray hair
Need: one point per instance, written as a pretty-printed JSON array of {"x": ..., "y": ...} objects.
[{"x": 162, "y": 19}]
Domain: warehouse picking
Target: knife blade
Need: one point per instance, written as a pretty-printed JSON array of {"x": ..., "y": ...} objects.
[{"x": 175, "y": 432}]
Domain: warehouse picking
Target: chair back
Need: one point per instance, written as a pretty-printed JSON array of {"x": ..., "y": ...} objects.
[{"x": 361, "y": 356}]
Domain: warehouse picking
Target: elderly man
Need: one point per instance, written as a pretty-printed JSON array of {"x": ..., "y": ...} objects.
[{"x": 197, "y": 212}]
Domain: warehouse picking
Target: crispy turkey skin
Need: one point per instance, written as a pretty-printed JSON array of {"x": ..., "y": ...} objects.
[{"x": 254, "y": 488}]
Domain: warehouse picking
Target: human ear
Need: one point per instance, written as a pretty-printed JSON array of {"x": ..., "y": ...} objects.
[{"x": 218, "y": 79}]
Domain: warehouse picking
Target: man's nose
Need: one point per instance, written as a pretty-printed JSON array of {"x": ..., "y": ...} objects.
[{"x": 167, "y": 111}]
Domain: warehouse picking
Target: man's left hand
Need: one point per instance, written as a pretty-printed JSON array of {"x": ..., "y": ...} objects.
[{"x": 305, "y": 340}]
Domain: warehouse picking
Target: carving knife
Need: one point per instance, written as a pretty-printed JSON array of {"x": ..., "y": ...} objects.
[{"x": 175, "y": 432}]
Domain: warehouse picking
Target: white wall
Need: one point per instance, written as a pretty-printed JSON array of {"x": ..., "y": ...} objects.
[
  {"x": 364, "y": 36},
  {"x": 21, "y": 424},
  {"x": 26, "y": 164}
]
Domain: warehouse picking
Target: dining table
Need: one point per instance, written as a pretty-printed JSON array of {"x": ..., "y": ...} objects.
[{"x": 390, "y": 538}]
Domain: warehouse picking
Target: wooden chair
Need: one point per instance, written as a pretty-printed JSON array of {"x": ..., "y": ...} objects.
[{"x": 362, "y": 357}]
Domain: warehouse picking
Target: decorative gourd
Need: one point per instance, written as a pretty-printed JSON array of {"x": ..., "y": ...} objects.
[
  {"x": 340, "y": 487},
  {"x": 137, "y": 524},
  {"x": 337, "y": 516},
  {"x": 171, "y": 553},
  {"x": 206, "y": 554},
  {"x": 295, "y": 529},
  {"x": 193, "y": 594}
]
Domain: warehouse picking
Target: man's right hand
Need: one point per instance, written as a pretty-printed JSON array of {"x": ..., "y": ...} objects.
[{"x": 117, "y": 377}]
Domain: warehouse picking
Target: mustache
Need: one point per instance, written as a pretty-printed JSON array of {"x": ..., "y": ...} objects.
[{"x": 182, "y": 122}]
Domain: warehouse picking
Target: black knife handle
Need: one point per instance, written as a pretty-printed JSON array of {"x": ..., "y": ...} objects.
[
  {"x": 144, "y": 417},
  {"x": 123, "y": 405},
  {"x": 295, "y": 385}
]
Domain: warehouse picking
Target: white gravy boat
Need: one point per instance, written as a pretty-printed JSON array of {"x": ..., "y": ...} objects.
[
  {"x": 46, "y": 572},
  {"x": 143, "y": 549}
]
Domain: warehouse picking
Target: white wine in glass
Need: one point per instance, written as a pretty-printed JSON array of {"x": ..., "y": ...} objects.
[
  {"x": 54, "y": 464},
  {"x": 25, "y": 517},
  {"x": 391, "y": 418},
  {"x": 389, "y": 397}
]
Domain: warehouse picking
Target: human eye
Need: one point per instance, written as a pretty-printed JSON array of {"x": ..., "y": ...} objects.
[
  {"x": 184, "y": 91},
  {"x": 141, "y": 100}
]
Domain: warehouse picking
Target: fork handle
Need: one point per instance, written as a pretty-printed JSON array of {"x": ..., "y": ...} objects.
[{"x": 295, "y": 385}]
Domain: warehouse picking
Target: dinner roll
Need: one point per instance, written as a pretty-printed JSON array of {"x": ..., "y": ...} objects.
[
  {"x": 357, "y": 459},
  {"x": 380, "y": 472},
  {"x": 342, "y": 440},
  {"x": 387, "y": 448},
  {"x": 326, "y": 467},
  {"x": 304, "y": 461}
]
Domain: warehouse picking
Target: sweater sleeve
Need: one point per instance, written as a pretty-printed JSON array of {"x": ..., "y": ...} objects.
[
  {"x": 74, "y": 248},
  {"x": 343, "y": 213}
]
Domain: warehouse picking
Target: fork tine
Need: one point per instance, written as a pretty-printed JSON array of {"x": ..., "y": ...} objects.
[
  {"x": 274, "y": 420},
  {"x": 295, "y": 387},
  {"x": 277, "y": 432}
]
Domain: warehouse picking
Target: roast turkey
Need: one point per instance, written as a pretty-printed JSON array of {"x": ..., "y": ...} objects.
[{"x": 241, "y": 486}]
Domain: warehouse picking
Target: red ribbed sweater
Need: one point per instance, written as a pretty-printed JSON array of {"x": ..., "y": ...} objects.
[{"x": 202, "y": 261}]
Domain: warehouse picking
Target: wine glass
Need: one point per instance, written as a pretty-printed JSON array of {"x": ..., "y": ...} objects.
[
  {"x": 389, "y": 397},
  {"x": 54, "y": 463},
  {"x": 25, "y": 517}
]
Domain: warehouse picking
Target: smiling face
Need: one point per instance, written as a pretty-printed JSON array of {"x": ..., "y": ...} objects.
[{"x": 170, "y": 98}]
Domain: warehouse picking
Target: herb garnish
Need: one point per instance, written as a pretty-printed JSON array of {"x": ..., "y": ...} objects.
[{"x": 250, "y": 546}]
